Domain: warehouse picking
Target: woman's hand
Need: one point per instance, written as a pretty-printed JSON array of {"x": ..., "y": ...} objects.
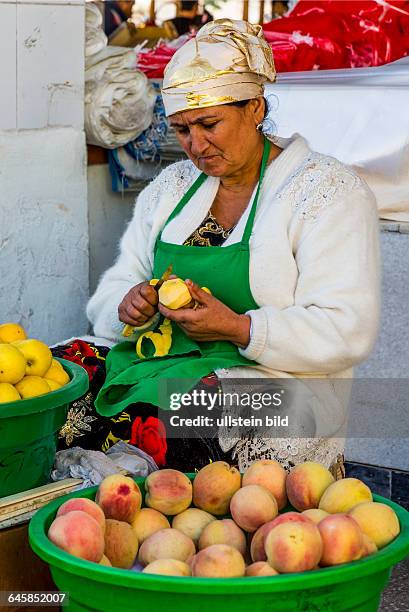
[
  {"x": 211, "y": 320},
  {"x": 139, "y": 305}
]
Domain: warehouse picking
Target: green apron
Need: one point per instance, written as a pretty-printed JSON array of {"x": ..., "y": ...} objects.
[{"x": 225, "y": 271}]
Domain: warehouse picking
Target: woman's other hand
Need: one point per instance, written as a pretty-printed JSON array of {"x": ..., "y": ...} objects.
[
  {"x": 211, "y": 320},
  {"x": 139, "y": 305}
]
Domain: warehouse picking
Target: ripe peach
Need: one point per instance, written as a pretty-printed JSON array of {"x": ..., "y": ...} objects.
[
  {"x": 342, "y": 539},
  {"x": 369, "y": 546},
  {"x": 168, "y": 567},
  {"x": 271, "y": 475},
  {"x": 121, "y": 543},
  {"x": 168, "y": 491},
  {"x": 214, "y": 486},
  {"x": 224, "y": 531},
  {"x": 343, "y": 495},
  {"x": 252, "y": 506},
  {"x": 261, "y": 568},
  {"x": 306, "y": 483},
  {"x": 166, "y": 544},
  {"x": 315, "y": 514},
  {"x": 147, "y": 521},
  {"x": 218, "y": 561},
  {"x": 378, "y": 521},
  {"x": 257, "y": 550},
  {"x": 119, "y": 497},
  {"x": 191, "y": 522},
  {"x": 294, "y": 546},
  {"x": 79, "y": 534},
  {"x": 85, "y": 505}
]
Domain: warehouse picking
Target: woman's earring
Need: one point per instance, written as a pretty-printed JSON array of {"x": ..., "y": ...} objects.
[{"x": 259, "y": 127}]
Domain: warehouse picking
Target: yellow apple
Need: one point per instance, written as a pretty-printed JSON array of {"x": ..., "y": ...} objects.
[
  {"x": 38, "y": 356},
  {"x": 9, "y": 332},
  {"x": 31, "y": 386},
  {"x": 52, "y": 383},
  {"x": 12, "y": 364},
  {"x": 8, "y": 393},
  {"x": 56, "y": 372}
]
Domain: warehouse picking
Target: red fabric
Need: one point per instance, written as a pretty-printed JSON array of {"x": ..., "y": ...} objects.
[
  {"x": 323, "y": 34},
  {"x": 81, "y": 352},
  {"x": 150, "y": 436},
  {"x": 342, "y": 34},
  {"x": 153, "y": 62}
]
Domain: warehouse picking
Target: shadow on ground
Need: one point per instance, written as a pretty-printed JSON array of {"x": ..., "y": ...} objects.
[{"x": 396, "y": 595}]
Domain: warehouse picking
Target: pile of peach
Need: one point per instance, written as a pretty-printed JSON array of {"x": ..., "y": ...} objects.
[{"x": 335, "y": 522}]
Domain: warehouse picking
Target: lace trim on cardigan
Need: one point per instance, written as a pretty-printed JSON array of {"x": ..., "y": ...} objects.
[
  {"x": 175, "y": 180},
  {"x": 317, "y": 183}
]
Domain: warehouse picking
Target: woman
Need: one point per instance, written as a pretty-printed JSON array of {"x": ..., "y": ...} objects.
[{"x": 289, "y": 250}]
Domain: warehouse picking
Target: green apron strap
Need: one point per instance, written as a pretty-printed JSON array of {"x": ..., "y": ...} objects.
[
  {"x": 249, "y": 225},
  {"x": 189, "y": 193}
]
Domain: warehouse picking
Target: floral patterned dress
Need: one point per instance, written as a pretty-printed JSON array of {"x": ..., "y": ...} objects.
[{"x": 139, "y": 424}]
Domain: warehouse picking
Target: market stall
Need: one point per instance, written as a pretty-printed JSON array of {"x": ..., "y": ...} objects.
[{"x": 353, "y": 82}]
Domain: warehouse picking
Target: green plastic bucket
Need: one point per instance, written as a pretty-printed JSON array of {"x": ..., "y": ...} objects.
[
  {"x": 354, "y": 587},
  {"x": 28, "y": 433}
]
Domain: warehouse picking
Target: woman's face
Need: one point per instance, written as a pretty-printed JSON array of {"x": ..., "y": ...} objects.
[{"x": 220, "y": 140}]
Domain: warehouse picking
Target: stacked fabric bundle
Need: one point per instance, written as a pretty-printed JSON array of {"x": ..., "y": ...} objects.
[
  {"x": 95, "y": 38},
  {"x": 119, "y": 99},
  {"x": 325, "y": 34}
]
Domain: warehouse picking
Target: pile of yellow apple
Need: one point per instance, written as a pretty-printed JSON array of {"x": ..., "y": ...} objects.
[
  {"x": 27, "y": 367},
  {"x": 234, "y": 527}
]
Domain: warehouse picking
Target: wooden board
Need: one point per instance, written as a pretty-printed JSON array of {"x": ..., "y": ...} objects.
[{"x": 18, "y": 508}]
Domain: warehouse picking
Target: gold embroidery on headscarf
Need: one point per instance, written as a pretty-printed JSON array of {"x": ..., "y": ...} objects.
[
  {"x": 226, "y": 57},
  {"x": 195, "y": 99}
]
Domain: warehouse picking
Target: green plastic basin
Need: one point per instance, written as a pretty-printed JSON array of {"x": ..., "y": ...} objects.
[
  {"x": 28, "y": 433},
  {"x": 354, "y": 587}
]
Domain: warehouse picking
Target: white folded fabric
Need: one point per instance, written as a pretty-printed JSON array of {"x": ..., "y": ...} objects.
[
  {"x": 118, "y": 108},
  {"x": 95, "y": 37}
]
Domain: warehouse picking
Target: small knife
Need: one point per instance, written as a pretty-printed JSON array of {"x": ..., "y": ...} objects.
[{"x": 128, "y": 330}]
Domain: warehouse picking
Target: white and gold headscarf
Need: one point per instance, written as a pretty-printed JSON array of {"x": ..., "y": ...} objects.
[{"x": 228, "y": 61}]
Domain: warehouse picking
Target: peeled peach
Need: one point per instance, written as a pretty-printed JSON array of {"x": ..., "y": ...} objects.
[
  {"x": 260, "y": 568},
  {"x": 119, "y": 497},
  {"x": 78, "y": 534},
  {"x": 168, "y": 491},
  {"x": 271, "y": 475},
  {"x": 214, "y": 486},
  {"x": 342, "y": 539},
  {"x": 166, "y": 544},
  {"x": 378, "y": 521},
  {"x": 252, "y": 506},
  {"x": 121, "y": 543},
  {"x": 294, "y": 546},
  {"x": 168, "y": 567},
  {"x": 315, "y": 514},
  {"x": 343, "y": 495},
  {"x": 306, "y": 483},
  {"x": 223, "y": 532},
  {"x": 147, "y": 522},
  {"x": 85, "y": 505},
  {"x": 218, "y": 561},
  {"x": 192, "y": 522}
]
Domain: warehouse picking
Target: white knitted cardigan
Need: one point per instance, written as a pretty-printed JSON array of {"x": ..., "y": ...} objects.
[{"x": 314, "y": 272}]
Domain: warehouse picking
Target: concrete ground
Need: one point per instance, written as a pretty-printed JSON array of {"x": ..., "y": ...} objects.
[{"x": 396, "y": 595}]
